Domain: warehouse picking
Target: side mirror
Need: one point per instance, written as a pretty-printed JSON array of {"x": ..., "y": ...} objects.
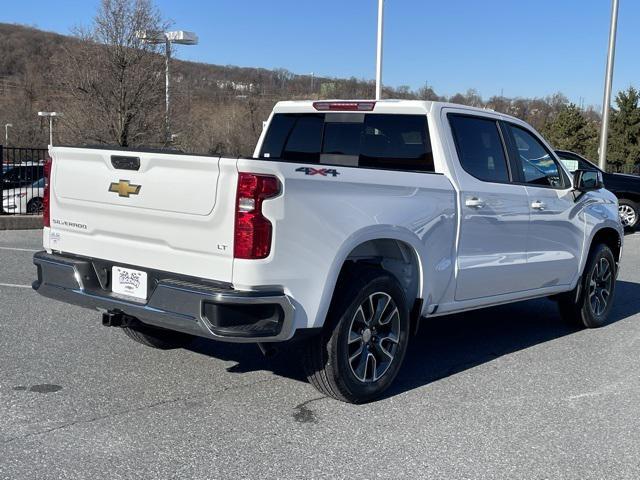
[{"x": 587, "y": 180}]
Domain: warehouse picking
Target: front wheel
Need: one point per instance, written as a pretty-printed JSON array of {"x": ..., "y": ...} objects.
[
  {"x": 364, "y": 342},
  {"x": 589, "y": 304}
]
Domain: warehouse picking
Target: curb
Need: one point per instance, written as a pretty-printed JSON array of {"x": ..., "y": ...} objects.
[{"x": 20, "y": 222}]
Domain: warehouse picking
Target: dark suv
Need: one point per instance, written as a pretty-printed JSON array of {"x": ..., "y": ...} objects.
[{"x": 625, "y": 187}]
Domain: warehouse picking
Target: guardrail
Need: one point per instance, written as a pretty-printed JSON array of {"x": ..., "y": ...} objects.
[{"x": 21, "y": 180}]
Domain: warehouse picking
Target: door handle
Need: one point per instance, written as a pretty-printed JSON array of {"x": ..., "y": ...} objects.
[
  {"x": 538, "y": 205},
  {"x": 474, "y": 202}
]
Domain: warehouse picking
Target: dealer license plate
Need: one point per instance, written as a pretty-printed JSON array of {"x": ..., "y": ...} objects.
[{"x": 126, "y": 281}]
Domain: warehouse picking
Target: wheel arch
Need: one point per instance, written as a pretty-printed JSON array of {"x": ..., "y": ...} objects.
[
  {"x": 396, "y": 257},
  {"x": 631, "y": 196},
  {"x": 396, "y": 250},
  {"x": 610, "y": 237}
]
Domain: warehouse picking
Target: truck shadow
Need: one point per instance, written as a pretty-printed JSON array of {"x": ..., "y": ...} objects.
[
  {"x": 448, "y": 345},
  {"x": 443, "y": 346}
]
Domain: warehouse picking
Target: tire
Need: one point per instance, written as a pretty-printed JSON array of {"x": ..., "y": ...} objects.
[
  {"x": 338, "y": 362},
  {"x": 158, "y": 337},
  {"x": 629, "y": 213},
  {"x": 35, "y": 206},
  {"x": 583, "y": 306}
]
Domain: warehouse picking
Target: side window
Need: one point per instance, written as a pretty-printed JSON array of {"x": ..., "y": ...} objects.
[
  {"x": 570, "y": 164},
  {"x": 536, "y": 163},
  {"x": 574, "y": 162},
  {"x": 480, "y": 147}
]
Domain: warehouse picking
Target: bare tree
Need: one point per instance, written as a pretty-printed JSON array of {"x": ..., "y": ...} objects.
[{"x": 114, "y": 81}]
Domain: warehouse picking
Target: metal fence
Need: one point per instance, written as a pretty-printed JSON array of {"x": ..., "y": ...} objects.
[{"x": 21, "y": 180}]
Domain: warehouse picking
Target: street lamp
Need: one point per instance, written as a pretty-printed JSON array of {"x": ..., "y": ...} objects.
[
  {"x": 379, "y": 51},
  {"x": 608, "y": 79},
  {"x": 6, "y": 133},
  {"x": 179, "y": 37},
  {"x": 51, "y": 116}
]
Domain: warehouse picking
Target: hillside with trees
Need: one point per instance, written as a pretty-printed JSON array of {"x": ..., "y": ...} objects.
[{"x": 110, "y": 87}]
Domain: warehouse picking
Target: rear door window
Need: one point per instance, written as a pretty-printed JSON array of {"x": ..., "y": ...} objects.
[
  {"x": 396, "y": 142},
  {"x": 480, "y": 147}
]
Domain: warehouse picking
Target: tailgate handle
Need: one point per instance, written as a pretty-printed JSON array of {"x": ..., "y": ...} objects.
[{"x": 125, "y": 163}]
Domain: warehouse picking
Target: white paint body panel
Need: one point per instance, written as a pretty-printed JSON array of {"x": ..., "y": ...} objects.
[
  {"x": 172, "y": 224},
  {"x": 183, "y": 221}
]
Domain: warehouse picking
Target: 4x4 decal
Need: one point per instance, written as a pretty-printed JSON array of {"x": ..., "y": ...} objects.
[{"x": 318, "y": 171}]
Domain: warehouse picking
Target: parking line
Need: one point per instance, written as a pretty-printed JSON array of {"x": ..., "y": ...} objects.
[
  {"x": 19, "y": 249},
  {"x": 13, "y": 285}
]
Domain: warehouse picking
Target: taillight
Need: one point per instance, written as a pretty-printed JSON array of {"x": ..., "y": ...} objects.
[
  {"x": 46, "y": 211},
  {"x": 252, "y": 230},
  {"x": 344, "y": 106}
]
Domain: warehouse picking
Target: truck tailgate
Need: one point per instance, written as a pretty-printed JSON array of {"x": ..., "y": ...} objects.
[{"x": 173, "y": 212}]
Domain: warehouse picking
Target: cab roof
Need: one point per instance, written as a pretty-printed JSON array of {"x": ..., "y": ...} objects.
[{"x": 419, "y": 107}]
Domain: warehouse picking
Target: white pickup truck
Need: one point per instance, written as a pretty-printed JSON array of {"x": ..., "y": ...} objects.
[{"x": 352, "y": 221}]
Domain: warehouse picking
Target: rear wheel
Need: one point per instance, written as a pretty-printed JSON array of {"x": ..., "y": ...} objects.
[
  {"x": 628, "y": 212},
  {"x": 364, "y": 342},
  {"x": 589, "y": 304},
  {"x": 160, "y": 338}
]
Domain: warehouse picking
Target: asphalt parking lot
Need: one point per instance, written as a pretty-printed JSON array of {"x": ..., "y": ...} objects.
[{"x": 509, "y": 392}]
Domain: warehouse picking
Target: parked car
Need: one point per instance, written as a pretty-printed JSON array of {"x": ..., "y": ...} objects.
[
  {"x": 352, "y": 222},
  {"x": 625, "y": 187},
  {"x": 24, "y": 200},
  {"x": 21, "y": 174}
]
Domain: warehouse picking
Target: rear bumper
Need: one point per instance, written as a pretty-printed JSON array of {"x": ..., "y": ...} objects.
[{"x": 196, "y": 307}]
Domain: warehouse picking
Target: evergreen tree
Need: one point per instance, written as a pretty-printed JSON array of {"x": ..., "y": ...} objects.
[
  {"x": 624, "y": 135},
  {"x": 570, "y": 130}
]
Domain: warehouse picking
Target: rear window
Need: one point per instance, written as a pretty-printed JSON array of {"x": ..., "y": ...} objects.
[{"x": 396, "y": 142}]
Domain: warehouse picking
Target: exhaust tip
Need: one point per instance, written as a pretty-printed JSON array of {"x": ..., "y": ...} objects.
[{"x": 268, "y": 350}]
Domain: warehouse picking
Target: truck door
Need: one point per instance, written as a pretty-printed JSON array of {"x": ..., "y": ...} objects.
[
  {"x": 494, "y": 212},
  {"x": 556, "y": 232}
]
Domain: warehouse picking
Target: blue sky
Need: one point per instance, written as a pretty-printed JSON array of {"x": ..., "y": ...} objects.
[{"x": 519, "y": 47}]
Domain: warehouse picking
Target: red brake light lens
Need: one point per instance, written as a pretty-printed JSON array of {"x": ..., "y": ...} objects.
[
  {"x": 344, "y": 106},
  {"x": 253, "y": 231},
  {"x": 46, "y": 209}
]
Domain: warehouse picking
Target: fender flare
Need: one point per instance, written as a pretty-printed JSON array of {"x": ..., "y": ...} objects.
[
  {"x": 376, "y": 232},
  {"x": 607, "y": 224}
]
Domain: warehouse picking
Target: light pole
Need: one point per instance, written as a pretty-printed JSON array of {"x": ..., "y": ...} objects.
[
  {"x": 379, "y": 51},
  {"x": 179, "y": 37},
  {"x": 606, "y": 103},
  {"x": 51, "y": 116},
  {"x": 6, "y": 133}
]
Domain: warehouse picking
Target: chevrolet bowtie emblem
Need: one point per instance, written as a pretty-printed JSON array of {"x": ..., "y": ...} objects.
[{"x": 123, "y": 188}]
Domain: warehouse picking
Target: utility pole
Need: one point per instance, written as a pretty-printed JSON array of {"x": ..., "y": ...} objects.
[
  {"x": 606, "y": 103},
  {"x": 167, "y": 59},
  {"x": 6, "y": 133},
  {"x": 379, "y": 51}
]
